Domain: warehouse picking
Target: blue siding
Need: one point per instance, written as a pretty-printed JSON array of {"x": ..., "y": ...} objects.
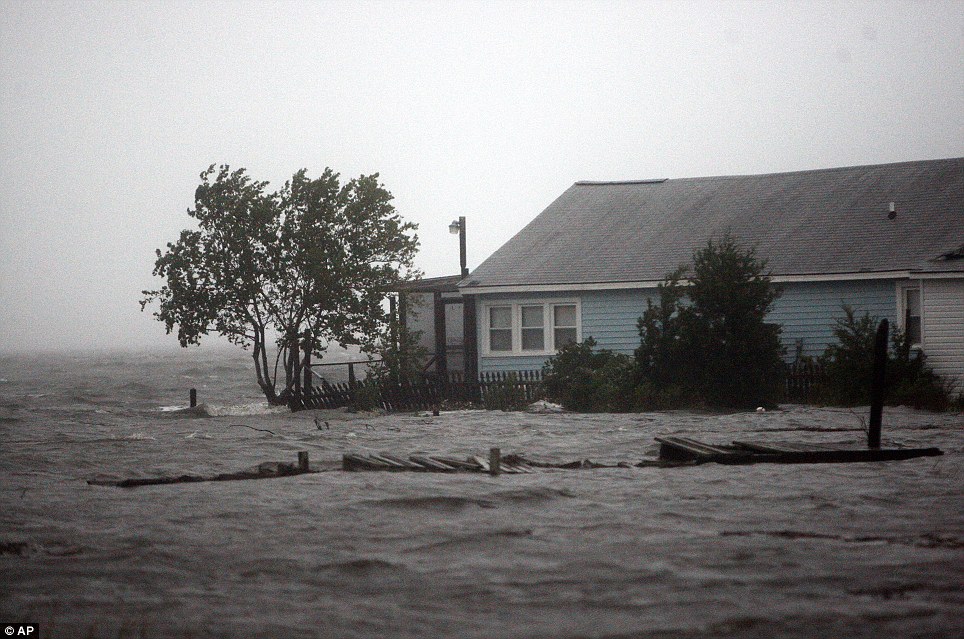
[
  {"x": 522, "y": 363},
  {"x": 806, "y": 310},
  {"x": 610, "y": 317}
]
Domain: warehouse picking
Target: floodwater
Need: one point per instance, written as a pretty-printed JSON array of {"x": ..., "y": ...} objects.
[{"x": 823, "y": 550}]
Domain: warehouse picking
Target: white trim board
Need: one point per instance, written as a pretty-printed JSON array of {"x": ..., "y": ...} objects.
[{"x": 776, "y": 279}]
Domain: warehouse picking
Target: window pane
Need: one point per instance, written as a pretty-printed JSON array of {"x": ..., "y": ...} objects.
[
  {"x": 500, "y": 339},
  {"x": 565, "y": 336},
  {"x": 913, "y": 330},
  {"x": 913, "y": 302},
  {"x": 912, "y": 317},
  {"x": 565, "y": 315},
  {"x": 533, "y": 339},
  {"x": 532, "y": 316},
  {"x": 500, "y": 317}
]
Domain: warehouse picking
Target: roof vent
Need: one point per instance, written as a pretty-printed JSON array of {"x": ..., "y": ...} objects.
[{"x": 956, "y": 254}]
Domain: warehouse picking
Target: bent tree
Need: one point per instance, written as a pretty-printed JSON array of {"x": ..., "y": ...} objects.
[{"x": 298, "y": 268}]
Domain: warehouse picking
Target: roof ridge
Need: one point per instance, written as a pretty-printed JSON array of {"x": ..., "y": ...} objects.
[
  {"x": 615, "y": 182},
  {"x": 752, "y": 175}
]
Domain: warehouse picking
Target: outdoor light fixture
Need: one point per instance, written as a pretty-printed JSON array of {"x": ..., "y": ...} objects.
[{"x": 455, "y": 227}]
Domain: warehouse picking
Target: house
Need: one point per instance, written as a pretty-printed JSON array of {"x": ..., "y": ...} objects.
[{"x": 885, "y": 239}]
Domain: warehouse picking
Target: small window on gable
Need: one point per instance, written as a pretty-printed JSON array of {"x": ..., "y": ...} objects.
[
  {"x": 500, "y": 328},
  {"x": 912, "y": 316}
]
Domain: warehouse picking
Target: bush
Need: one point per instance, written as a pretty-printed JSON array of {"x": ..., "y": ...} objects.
[
  {"x": 367, "y": 396},
  {"x": 708, "y": 343},
  {"x": 583, "y": 379},
  {"x": 848, "y": 368}
]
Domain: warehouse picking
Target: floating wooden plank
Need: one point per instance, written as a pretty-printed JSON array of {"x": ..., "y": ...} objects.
[
  {"x": 795, "y": 453},
  {"x": 353, "y": 462},
  {"x": 792, "y": 447},
  {"x": 408, "y": 464},
  {"x": 460, "y": 464},
  {"x": 430, "y": 463},
  {"x": 265, "y": 470},
  {"x": 395, "y": 465},
  {"x": 685, "y": 449}
]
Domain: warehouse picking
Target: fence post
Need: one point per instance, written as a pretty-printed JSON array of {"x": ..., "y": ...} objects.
[
  {"x": 495, "y": 461},
  {"x": 193, "y": 397}
]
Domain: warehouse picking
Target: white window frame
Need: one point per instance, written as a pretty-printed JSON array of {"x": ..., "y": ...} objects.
[
  {"x": 902, "y": 288},
  {"x": 548, "y": 326}
]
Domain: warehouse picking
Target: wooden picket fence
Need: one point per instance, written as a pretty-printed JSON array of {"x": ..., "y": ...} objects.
[
  {"x": 425, "y": 393},
  {"x": 802, "y": 379},
  {"x": 491, "y": 389}
]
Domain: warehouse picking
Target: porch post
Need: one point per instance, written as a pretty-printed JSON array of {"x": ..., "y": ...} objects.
[
  {"x": 441, "y": 358},
  {"x": 470, "y": 347},
  {"x": 470, "y": 338}
]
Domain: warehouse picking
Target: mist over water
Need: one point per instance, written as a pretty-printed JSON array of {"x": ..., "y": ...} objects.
[{"x": 757, "y": 551}]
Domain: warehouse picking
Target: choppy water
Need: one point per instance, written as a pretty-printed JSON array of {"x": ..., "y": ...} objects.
[{"x": 767, "y": 550}]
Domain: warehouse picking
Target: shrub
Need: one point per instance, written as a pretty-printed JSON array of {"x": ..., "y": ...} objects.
[
  {"x": 848, "y": 368},
  {"x": 708, "y": 343},
  {"x": 367, "y": 395},
  {"x": 584, "y": 379}
]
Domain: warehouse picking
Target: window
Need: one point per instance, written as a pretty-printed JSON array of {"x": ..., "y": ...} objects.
[
  {"x": 531, "y": 328},
  {"x": 564, "y": 325},
  {"x": 500, "y": 328},
  {"x": 912, "y": 318}
]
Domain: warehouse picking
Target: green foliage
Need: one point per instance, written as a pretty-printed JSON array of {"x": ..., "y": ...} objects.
[
  {"x": 401, "y": 358},
  {"x": 366, "y": 396},
  {"x": 301, "y": 267},
  {"x": 848, "y": 368},
  {"x": 707, "y": 343},
  {"x": 584, "y": 379},
  {"x": 505, "y": 395}
]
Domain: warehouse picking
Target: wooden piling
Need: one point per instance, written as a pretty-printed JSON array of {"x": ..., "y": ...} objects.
[
  {"x": 303, "y": 460},
  {"x": 193, "y": 397},
  {"x": 495, "y": 461},
  {"x": 878, "y": 384}
]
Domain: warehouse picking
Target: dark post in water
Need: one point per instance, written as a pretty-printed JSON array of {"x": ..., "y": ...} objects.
[
  {"x": 878, "y": 384},
  {"x": 193, "y": 397},
  {"x": 495, "y": 461}
]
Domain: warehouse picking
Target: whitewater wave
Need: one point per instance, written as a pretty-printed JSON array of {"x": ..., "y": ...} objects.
[
  {"x": 432, "y": 502},
  {"x": 227, "y": 410}
]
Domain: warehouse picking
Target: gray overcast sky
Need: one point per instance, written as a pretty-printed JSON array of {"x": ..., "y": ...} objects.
[{"x": 110, "y": 110}]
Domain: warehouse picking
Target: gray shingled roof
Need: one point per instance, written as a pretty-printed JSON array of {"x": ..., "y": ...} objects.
[{"x": 826, "y": 221}]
